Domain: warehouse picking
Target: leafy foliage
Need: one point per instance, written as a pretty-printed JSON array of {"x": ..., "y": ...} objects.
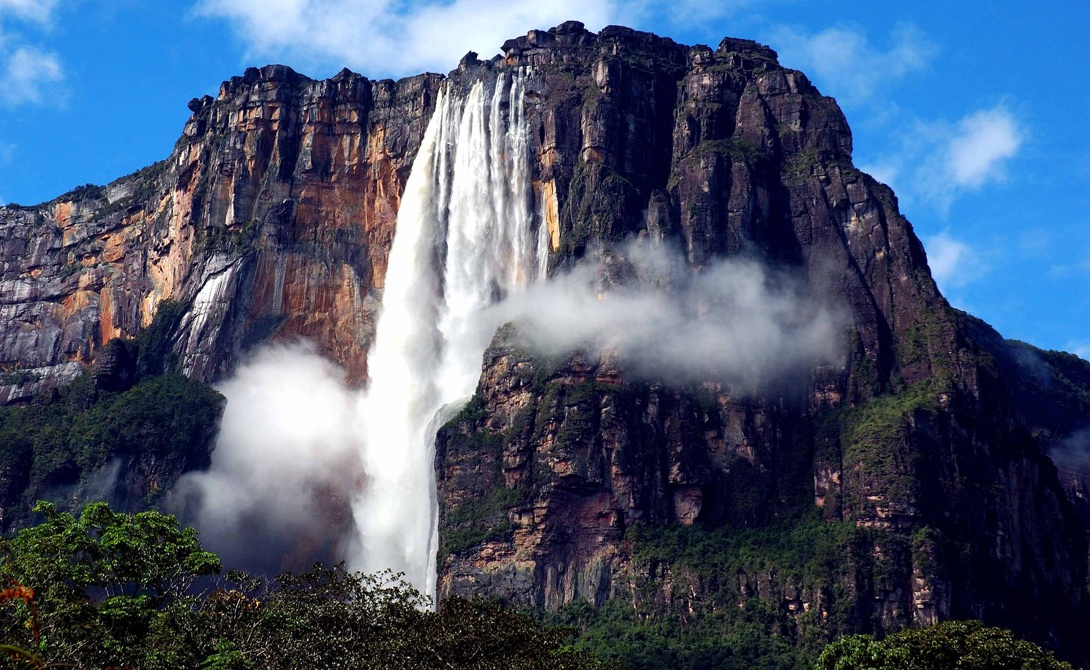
[
  {"x": 154, "y": 352},
  {"x": 965, "y": 645},
  {"x": 115, "y": 590},
  {"x": 709, "y": 619},
  {"x": 750, "y": 636},
  {"x": 147, "y": 419},
  {"x": 98, "y": 581},
  {"x": 810, "y": 551},
  {"x": 167, "y": 420},
  {"x": 478, "y": 520}
]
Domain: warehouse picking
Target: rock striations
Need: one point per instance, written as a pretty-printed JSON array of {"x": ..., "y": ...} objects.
[{"x": 273, "y": 218}]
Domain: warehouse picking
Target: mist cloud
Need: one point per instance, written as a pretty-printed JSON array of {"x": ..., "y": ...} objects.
[
  {"x": 843, "y": 59},
  {"x": 734, "y": 321},
  {"x": 285, "y": 466},
  {"x": 1073, "y": 452}
]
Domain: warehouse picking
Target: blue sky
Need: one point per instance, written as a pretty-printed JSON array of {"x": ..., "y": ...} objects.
[{"x": 977, "y": 119}]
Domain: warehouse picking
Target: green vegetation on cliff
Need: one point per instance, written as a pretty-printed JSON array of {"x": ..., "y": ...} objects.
[
  {"x": 127, "y": 429},
  {"x": 166, "y": 422},
  {"x": 703, "y": 598},
  {"x": 964, "y": 645}
]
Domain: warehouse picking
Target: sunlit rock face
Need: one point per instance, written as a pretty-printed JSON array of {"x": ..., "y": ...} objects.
[{"x": 274, "y": 216}]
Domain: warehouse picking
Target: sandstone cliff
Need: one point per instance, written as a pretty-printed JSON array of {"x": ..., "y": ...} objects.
[{"x": 272, "y": 218}]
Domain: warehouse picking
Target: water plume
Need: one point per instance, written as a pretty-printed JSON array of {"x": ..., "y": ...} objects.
[{"x": 277, "y": 494}]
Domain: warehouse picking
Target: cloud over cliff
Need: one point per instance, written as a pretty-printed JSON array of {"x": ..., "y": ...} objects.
[{"x": 735, "y": 320}]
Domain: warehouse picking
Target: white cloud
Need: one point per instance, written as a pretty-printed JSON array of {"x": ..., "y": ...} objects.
[
  {"x": 846, "y": 65},
  {"x": 29, "y": 76},
  {"x": 1070, "y": 269},
  {"x": 735, "y": 321},
  {"x": 1080, "y": 348},
  {"x": 937, "y": 161},
  {"x": 384, "y": 37},
  {"x": 40, "y": 11},
  {"x": 986, "y": 139},
  {"x": 953, "y": 262}
]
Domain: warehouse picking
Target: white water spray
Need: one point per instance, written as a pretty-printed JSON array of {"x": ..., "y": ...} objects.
[{"x": 463, "y": 240}]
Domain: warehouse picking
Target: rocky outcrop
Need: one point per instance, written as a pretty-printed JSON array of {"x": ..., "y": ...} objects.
[
  {"x": 272, "y": 218},
  {"x": 548, "y": 477}
]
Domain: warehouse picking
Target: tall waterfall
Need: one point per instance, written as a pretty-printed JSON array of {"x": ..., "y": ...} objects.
[{"x": 465, "y": 237}]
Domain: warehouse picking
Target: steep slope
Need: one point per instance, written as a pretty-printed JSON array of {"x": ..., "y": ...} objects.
[
  {"x": 913, "y": 478},
  {"x": 272, "y": 217},
  {"x": 549, "y": 479}
]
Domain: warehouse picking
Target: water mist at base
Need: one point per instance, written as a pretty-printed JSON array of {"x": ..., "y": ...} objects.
[{"x": 285, "y": 466}]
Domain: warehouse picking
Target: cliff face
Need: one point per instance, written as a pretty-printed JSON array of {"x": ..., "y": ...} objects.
[
  {"x": 273, "y": 216},
  {"x": 548, "y": 479}
]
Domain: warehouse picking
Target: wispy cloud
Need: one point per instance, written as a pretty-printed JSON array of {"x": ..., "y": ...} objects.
[
  {"x": 382, "y": 37},
  {"x": 40, "y": 11},
  {"x": 938, "y": 161},
  {"x": 984, "y": 142},
  {"x": 1071, "y": 269},
  {"x": 29, "y": 74},
  {"x": 954, "y": 263},
  {"x": 1080, "y": 348},
  {"x": 735, "y": 321},
  {"x": 846, "y": 65}
]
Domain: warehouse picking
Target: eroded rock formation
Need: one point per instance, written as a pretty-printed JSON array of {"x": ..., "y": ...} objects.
[{"x": 272, "y": 218}]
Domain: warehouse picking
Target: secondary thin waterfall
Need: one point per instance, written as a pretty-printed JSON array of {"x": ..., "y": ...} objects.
[{"x": 464, "y": 238}]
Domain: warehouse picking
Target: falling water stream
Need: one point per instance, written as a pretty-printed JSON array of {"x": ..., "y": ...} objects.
[{"x": 465, "y": 237}]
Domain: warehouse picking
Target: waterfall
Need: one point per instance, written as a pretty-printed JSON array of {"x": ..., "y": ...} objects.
[{"x": 463, "y": 240}]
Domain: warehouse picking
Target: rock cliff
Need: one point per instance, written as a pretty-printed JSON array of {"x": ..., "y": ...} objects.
[
  {"x": 925, "y": 452},
  {"x": 271, "y": 218},
  {"x": 929, "y": 437}
]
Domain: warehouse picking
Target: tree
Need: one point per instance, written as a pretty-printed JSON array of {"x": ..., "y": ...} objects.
[
  {"x": 964, "y": 645},
  {"x": 119, "y": 590},
  {"x": 98, "y": 581}
]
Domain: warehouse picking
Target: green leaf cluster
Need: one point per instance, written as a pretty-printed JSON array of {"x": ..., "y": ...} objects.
[
  {"x": 952, "y": 645},
  {"x": 166, "y": 421},
  {"x": 148, "y": 416},
  {"x": 138, "y": 591}
]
